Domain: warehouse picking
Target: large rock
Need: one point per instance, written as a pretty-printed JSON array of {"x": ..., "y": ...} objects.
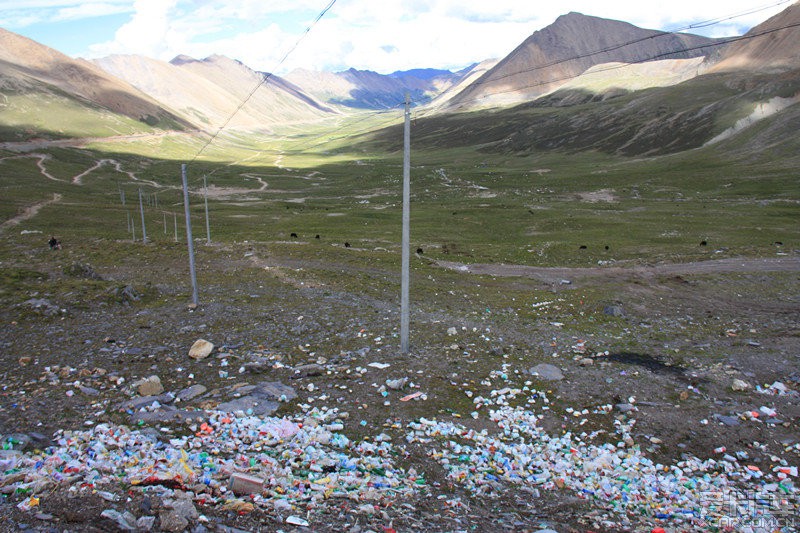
[
  {"x": 201, "y": 349},
  {"x": 263, "y": 399},
  {"x": 547, "y": 372}
]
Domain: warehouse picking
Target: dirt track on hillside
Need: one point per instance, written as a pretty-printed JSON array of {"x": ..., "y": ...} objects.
[{"x": 29, "y": 212}]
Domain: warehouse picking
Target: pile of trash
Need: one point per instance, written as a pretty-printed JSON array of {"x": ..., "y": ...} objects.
[
  {"x": 617, "y": 477},
  {"x": 271, "y": 462},
  {"x": 295, "y": 465}
]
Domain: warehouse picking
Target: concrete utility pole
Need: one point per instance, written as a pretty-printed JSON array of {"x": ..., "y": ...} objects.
[
  {"x": 405, "y": 256},
  {"x": 189, "y": 233},
  {"x": 208, "y": 224},
  {"x": 141, "y": 210}
]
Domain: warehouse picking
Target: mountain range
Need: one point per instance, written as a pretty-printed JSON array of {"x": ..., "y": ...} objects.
[{"x": 576, "y": 59}]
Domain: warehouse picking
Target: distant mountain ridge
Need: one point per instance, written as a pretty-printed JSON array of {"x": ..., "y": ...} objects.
[
  {"x": 567, "y": 48},
  {"x": 207, "y": 92},
  {"x": 577, "y": 59},
  {"x": 365, "y": 89}
]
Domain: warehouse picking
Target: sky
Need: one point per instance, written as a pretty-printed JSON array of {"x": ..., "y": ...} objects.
[{"x": 379, "y": 35}]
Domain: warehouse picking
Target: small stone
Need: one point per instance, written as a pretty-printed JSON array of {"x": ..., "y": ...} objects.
[
  {"x": 145, "y": 523},
  {"x": 191, "y": 393},
  {"x": 25, "y": 360},
  {"x": 310, "y": 370},
  {"x": 125, "y": 521},
  {"x": 740, "y": 385},
  {"x": 452, "y": 331},
  {"x": 182, "y": 504},
  {"x": 547, "y": 372},
  {"x": 624, "y": 407},
  {"x": 614, "y": 310},
  {"x": 149, "y": 386},
  {"x": 201, "y": 349},
  {"x": 727, "y": 420},
  {"x": 172, "y": 521},
  {"x": 586, "y": 361}
]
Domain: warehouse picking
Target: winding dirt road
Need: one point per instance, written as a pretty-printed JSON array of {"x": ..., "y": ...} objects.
[{"x": 29, "y": 212}]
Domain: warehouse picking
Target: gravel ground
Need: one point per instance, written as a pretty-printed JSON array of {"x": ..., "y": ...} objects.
[{"x": 662, "y": 367}]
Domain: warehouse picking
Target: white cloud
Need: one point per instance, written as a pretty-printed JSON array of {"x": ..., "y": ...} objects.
[
  {"x": 17, "y": 14},
  {"x": 381, "y": 35},
  {"x": 91, "y": 9},
  {"x": 147, "y": 33}
]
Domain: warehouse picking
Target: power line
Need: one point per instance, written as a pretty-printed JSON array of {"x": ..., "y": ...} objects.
[
  {"x": 263, "y": 80},
  {"x": 534, "y": 68},
  {"x": 718, "y": 43}
]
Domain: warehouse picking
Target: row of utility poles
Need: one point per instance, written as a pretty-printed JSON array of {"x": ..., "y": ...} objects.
[
  {"x": 153, "y": 200},
  {"x": 405, "y": 239}
]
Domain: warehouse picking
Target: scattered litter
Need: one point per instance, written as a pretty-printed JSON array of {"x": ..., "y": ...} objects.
[
  {"x": 412, "y": 396},
  {"x": 379, "y": 366},
  {"x": 296, "y": 521}
]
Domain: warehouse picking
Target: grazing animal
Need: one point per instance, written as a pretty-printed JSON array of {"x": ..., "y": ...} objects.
[
  {"x": 703, "y": 243},
  {"x": 419, "y": 251},
  {"x": 293, "y": 235},
  {"x": 582, "y": 247},
  {"x": 317, "y": 236},
  {"x": 347, "y": 245}
]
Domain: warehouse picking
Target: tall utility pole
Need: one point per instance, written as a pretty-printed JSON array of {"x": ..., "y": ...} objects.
[
  {"x": 208, "y": 224},
  {"x": 141, "y": 210},
  {"x": 405, "y": 256},
  {"x": 189, "y": 233}
]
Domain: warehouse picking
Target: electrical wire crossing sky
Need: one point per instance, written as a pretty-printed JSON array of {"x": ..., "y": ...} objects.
[{"x": 383, "y": 36}]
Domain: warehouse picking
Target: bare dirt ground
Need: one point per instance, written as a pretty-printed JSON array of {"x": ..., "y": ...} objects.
[{"x": 648, "y": 375}]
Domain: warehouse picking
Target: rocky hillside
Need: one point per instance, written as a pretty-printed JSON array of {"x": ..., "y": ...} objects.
[
  {"x": 568, "y": 47},
  {"x": 772, "y": 45}
]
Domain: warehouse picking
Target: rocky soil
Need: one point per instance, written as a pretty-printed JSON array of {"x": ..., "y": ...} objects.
[{"x": 305, "y": 415}]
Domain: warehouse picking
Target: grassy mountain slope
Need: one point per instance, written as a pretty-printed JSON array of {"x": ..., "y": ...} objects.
[
  {"x": 644, "y": 123},
  {"x": 35, "y": 78}
]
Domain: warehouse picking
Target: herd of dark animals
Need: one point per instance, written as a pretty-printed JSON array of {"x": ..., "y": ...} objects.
[
  {"x": 55, "y": 244},
  {"x": 294, "y": 235}
]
